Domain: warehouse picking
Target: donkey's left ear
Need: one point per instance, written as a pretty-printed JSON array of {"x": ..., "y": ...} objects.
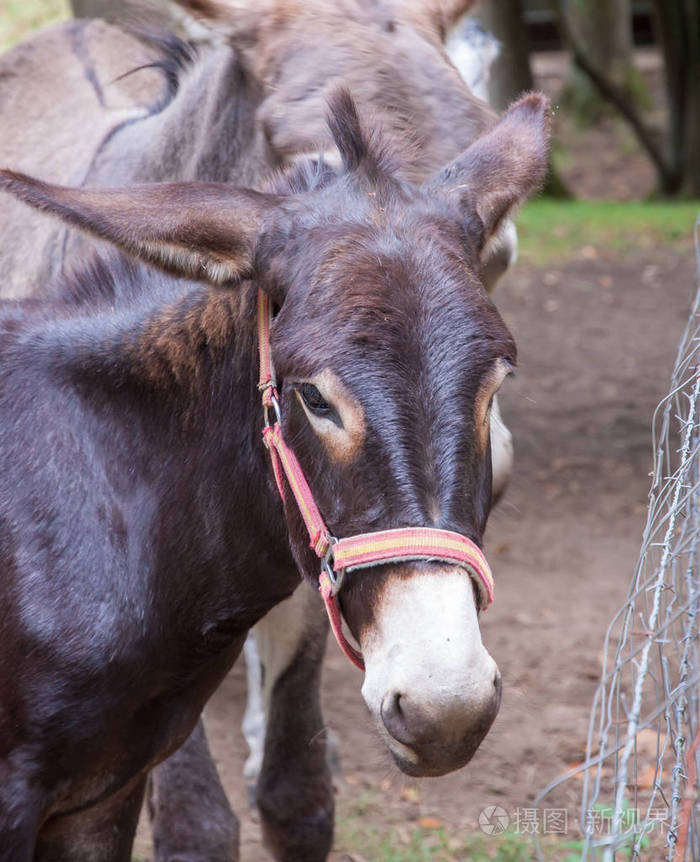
[
  {"x": 500, "y": 169},
  {"x": 204, "y": 231}
]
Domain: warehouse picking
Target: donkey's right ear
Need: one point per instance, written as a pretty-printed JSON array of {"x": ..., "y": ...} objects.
[
  {"x": 203, "y": 231},
  {"x": 500, "y": 169}
]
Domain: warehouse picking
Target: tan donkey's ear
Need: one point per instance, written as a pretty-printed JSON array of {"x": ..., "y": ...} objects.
[
  {"x": 502, "y": 168},
  {"x": 204, "y": 231}
]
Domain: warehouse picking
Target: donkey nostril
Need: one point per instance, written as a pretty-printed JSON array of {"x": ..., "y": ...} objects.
[
  {"x": 391, "y": 707},
  {"x": 497, "y": 681},
  {"x": 394, "y": 718}
]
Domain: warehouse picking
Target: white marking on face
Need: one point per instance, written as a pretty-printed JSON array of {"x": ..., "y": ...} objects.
[
  {"x": 484, "y": 400},
  {"x": 344, "y": 441},
  {"x": 426, "y": 646},
  {"x": 501, "y": 451},
  {"x": 489, "y": 425}
]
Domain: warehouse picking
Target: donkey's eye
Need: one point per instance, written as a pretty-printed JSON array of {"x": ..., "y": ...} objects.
[{"x": 314, "y": 400}]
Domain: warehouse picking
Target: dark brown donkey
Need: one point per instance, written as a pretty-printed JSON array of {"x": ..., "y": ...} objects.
[
  {"x": 229, "y": 114},
  {"x": 141, "y": 532}
]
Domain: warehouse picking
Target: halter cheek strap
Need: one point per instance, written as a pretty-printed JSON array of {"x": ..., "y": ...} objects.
[{"x": 338, "y": 556}]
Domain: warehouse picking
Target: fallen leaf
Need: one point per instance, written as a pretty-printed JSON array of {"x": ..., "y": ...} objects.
[
  {"x": 403, "y": 834},
  {"x": 430, "y": 823},
  {"x": 576, "y": 765},
  {"x": 592, "y": 771},
  {"x": 648, "y": 743},
  {"x": 410, "y": 794},
  {"x": 650, "y": 273},
  {"x": 645, "y": 778}
]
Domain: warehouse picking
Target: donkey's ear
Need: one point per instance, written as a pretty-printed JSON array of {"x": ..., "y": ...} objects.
[
  {"x": 204, "y": 231},
  {"x": 500, "y": 169}
]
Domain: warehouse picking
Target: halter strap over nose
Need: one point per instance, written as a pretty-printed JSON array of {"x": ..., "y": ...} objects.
[{"x": 339, "y": 556}]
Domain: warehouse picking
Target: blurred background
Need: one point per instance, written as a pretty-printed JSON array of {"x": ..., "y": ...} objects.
[{"x": 623, "y": 73}]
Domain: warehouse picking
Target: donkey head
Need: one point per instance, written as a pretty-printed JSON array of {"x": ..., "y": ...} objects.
[{"x": 389, "y": 353}]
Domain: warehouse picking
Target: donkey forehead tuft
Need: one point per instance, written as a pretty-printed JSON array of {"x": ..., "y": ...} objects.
[
  {"x": 344, "y": 123},
  {"x": 359, "y": 149}
]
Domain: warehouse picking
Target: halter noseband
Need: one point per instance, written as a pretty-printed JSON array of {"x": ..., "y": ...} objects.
[{"x": 339, "y": 556}]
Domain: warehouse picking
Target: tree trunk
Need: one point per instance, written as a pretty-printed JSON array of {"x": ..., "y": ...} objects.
[
  {"x": 671, "y": 28},
  {"x": 510, "y": 74},
  {"x": 691, "y": 171},
  {"x": 604, "y": 29},
  {"x": 678, "y": 28}
]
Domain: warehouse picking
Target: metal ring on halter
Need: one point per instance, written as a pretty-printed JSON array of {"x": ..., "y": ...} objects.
[
  {"x": 335, "y": 577},
  {"x": 274, "y": 402}
]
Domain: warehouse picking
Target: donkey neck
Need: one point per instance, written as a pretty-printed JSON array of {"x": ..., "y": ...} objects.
[
  {"x": 120, "y": 324},
  {"x": 205, "y": 131},
  {"x": 179, "y": 346},
  {"x": 164, "y": 382},
  {"x": 185, "y": 372}
]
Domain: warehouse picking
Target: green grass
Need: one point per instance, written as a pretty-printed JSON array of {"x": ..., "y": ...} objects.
[
  {"x": 434, "y": 845},
  {"x": 19, "y": 17},
  {"x": 391, "y": 844},
  {"x": 403, "y": 844},
  {"x": 361, "y": 833},
  {"x": 556, "y": 231}
]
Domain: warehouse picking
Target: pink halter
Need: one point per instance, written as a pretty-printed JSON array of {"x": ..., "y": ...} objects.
[{"x": 339, "y": 556}]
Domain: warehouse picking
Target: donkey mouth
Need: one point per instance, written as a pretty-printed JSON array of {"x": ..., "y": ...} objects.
[{"x": 436, "y": 758}]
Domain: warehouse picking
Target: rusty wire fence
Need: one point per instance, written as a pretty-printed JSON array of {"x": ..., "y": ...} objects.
[{"x": 639, "y": 779}]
